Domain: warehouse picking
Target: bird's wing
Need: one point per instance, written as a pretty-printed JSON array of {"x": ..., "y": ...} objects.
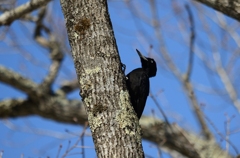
[{"x": 138, "y": 86}]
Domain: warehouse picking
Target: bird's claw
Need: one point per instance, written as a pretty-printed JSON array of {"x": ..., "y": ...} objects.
[{"x": 123, "y": 67}]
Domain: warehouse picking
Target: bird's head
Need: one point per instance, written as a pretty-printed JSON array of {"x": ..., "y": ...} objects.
[{"x": 149, "y": 64}]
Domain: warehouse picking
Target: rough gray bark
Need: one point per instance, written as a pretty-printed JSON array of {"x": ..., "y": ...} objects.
[
  {"x": 230, "y": 8},
  {"x": 115, "y": 130}
]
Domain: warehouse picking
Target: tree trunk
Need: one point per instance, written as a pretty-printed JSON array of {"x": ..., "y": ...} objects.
[{"x": 115, "y": 128}]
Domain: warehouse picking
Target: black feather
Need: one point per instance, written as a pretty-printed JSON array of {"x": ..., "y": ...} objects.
[{"x": 138, "y": 83}]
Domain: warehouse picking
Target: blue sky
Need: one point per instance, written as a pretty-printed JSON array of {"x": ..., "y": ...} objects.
[{"x": 129, "y": 33}]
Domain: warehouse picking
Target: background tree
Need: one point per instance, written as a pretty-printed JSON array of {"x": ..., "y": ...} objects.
[{"x": 196, "y": 86}]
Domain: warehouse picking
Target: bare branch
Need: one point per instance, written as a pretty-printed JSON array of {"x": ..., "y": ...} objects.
[
  {"x": 227, "y": 7},
  {"x": 17, "y": 81},
  {"x": 56, "y": 56},
  {"x": 226, "y": 80},
  {"x": 37, "y": 131},
  {"x": 178, "y": 139},
  {"x": 54, "y": 48},
  {"x": 163, "y": 49},
  {"x": 55, "y": 108},
  {"x": 191, "y": 48},
  {"x": 222, "y": 136},
  {"x": 159, "y": 107},
  {"x": 187, "y": 85},
  {"x": 199, "y": 114},
  {"x": 8, "y": 17},
  {"x": 76, "y": 143}
]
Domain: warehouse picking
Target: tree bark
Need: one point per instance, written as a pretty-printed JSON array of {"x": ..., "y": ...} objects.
[{"x": 115, "y": 128}]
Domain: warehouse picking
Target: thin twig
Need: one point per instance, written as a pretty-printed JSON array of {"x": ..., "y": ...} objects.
[
  {"x": 187, "y": 85},
  {"x": 226, "y": 80},
  {"x": 82, "y": 143},
  {"x": 36, "y": 131},
  {"x": 221, "y": 135},
  {"x": 52, "y": 44},
  {"x": 76, "y": 143},
  {"x": 192, "y": 39},
  {"x": 59, "y": 150},
  {"x": 159, "y": 107},
  {"x": 163, "y": 49}
]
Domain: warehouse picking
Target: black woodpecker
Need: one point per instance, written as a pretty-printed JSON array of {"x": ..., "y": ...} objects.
[{"x": 138, "y": 83}]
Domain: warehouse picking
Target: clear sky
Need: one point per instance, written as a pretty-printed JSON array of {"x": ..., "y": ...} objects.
[{"x": 34, "y": 136}]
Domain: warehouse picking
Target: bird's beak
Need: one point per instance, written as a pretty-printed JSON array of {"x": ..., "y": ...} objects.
[{"x": 140, "y": 55}]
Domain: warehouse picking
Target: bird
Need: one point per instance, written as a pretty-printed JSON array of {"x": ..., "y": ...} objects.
[{"x": 138, "y": 83}]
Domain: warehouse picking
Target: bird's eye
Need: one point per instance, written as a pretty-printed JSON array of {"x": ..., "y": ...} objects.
[{"x": 151, "y": 61}]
